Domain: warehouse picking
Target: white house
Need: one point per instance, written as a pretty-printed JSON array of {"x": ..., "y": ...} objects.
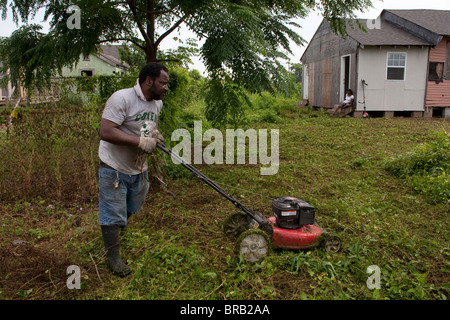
[{"x": 389, "y": 67}]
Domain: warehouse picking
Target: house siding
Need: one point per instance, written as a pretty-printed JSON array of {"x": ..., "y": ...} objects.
[
  {"x": 95, "y": 64},
  {"x": 323, "y": 61},
  {"x": 392, "y": 95},
  {"x": 438, "y": 94}
]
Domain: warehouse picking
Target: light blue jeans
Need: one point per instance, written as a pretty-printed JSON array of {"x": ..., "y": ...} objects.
[{"x": 119, "y": 195}]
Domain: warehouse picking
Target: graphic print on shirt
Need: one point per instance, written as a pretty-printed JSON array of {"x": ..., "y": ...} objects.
[
  {"x": 146, "y": 116},
  {"x": 147, "y": 127}
]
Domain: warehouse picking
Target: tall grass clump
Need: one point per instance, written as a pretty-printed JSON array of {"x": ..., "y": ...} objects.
[
  {"x": 272, "y": 107},
  {"x": 426, "y": 168},
  {"x": 49, "y": 152},
  {"x": 51, "y": 149}
]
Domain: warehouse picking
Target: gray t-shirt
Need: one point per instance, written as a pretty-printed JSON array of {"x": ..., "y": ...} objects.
[{"x": 136, "y": 116}]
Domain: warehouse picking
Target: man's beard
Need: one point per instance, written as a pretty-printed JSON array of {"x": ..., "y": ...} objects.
[{"x": 154, "y": 96}]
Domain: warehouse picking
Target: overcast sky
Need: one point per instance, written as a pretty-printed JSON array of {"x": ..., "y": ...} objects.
[{"x": 309, "y": 25}]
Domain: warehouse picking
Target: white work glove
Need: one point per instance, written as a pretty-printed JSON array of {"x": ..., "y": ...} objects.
[
  {"x": 149, "y": 144},
  {"x": 156, "y": 134}
]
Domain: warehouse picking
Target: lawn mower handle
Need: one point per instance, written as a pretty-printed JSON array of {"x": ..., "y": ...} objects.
[{"x": 259, "y": 218}]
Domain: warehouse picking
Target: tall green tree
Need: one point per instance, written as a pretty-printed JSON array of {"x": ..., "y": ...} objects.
[{"x": 245, "y": 41}]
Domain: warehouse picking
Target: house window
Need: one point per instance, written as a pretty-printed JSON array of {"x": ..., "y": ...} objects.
[
  {"x": 436, "y": 71},
  {"x": 87, "y": 73},
  {"x": 396, "y": 66}
]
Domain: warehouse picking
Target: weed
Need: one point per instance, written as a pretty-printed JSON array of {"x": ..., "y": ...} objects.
[{"x": 426, "y": 168}]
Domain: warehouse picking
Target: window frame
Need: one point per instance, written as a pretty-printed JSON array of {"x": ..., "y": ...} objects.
[
  {"x": 87, "y": 70},
  {"x": 396, "y": 67},
  {"x": 437, "y": 79}
]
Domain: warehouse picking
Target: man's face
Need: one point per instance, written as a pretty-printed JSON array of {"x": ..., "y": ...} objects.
[{"x": 159, "y": 87}]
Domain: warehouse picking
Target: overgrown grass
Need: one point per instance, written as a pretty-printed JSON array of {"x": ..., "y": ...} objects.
[
  {"x": 176, "y": 247},
  {"x": 426, "y": 168},
  {"x": 51, "y": 150}
]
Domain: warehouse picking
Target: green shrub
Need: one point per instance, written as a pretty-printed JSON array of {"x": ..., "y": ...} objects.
[
  {"x": 436, "y": 188},
  {"x": 270, "y": 108},
  {"x": 426, "y": 168}
]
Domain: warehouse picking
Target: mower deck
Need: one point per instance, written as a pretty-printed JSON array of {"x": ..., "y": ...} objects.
[{"x": 305, "y": 237}]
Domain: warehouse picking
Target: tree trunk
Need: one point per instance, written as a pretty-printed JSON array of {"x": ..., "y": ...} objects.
[
  {"x": 151, "y": 49},
  {"x": 151, "y": 54}
]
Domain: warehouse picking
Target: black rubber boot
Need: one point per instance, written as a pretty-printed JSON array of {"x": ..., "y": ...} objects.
[
  {"x": 124, "y": 229},
  {"x": 111, "y": 240}
]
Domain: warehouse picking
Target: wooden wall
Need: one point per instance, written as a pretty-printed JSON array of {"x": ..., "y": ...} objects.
[
  {"x": 438, "y": 94},
  {"x": 323, "y": 58}
]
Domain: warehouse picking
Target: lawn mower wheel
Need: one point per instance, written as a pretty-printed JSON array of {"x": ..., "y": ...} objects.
[
  {"x": 235, "y": 225},
  {"x": 254, "y": 245}
]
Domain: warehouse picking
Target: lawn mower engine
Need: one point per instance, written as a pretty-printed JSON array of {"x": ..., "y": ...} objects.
[
  {"x": 294, "y": 224},
  {"x": 292, "y": 213}
]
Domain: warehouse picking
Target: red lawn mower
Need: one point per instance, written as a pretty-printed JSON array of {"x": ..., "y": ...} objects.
[{"x": 293, "y": 225}]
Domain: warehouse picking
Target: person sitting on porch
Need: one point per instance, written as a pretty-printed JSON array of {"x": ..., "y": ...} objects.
[{"x": 348, "y": 102}]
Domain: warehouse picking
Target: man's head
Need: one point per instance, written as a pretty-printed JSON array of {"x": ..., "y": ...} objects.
[
  {"x": 349, "y": 92},
  {"x": 154, "y": 80}
]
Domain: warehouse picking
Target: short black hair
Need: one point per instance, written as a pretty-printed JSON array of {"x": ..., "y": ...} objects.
[
  {"x": 350, "y": 91},
  {"x": 152, "y": 70}
]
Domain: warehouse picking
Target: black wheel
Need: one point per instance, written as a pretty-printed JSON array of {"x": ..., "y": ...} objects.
[
  {"x": 332, "y": 243},
  {"x": 254, "y": 245},
  {"x": 235, "y": 225}
]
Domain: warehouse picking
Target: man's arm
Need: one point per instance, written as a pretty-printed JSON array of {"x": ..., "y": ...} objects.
[{"x": 110, "y": 132}]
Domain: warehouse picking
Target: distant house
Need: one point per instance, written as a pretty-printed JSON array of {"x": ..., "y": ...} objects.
[
  {"x": 106, "y": 62},
  {"x": 403, "y": 59},
  {"x": 435, "y": 26}
]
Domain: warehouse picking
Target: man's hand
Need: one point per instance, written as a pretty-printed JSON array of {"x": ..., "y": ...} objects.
[
  {"x": 156, "y": 134},
  {"x": 148, "y": 144}
]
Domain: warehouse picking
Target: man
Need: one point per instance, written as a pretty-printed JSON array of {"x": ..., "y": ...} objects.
[
  {"x": 128, "y": 132},
  {"x": 348, "y": 102}
]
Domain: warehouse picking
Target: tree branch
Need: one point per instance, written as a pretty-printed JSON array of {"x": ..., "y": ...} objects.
[
  {"x": 176, "y": 25},
  {"x": 169, "y": 60},
  {"x": 123, "y": 39},
  {"x": 153, "y": 11},
  {"x": 151, "y": 21},
  {"x": 132, "y": 5},
  {"x": 147, "y": 11}
]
